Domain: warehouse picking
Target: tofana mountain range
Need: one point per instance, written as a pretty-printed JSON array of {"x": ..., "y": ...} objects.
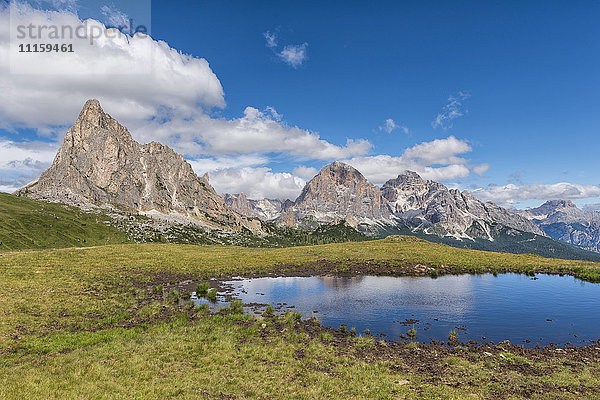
[{"x": 99, "y": 165}]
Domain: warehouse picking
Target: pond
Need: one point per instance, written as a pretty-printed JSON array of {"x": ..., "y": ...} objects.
[{"x": 541, "y": 310}]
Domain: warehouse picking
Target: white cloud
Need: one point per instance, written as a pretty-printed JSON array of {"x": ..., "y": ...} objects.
[
  {"x": 390, "y": 125},
  {"x": 294, "y": 55},
  {"x": 115, "y": 18},
  {"x": 507, "y": 195},
  {"x": 305, "y": 172},
  {"x": 257, "y": 183},
  {"x": 22, "y": 162},
  {"x": 481, "y": 169},
  {"x": 451, "y": 111},
  {"x": 255, "y": 132},
  {"x": 439, "y": 151},
  {"x": 271, "y": 39},
  {"x": 156, "y": 91},
  {"x": 211, "y": 164},
  {"x": 135, "y": 76},
  {"x": 436, "y": 160}
]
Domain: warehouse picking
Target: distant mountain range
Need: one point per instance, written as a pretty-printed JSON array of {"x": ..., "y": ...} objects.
[
  {"x": 340, "y": 192},
  {"x": 99, "y": 165},
  {"x": 562, "y": 220},
  {"x": 408, "y": 205}
]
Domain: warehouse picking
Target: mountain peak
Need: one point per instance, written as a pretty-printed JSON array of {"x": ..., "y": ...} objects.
[
  {"x": 408, "y": 180},
  {"x": 100, "y": 164},
  {"x": 340, "y": 190},
  {"x": 92, "y": 116},
  {"x": 550, "y": 207},
  {"x": 92, "y": 104},
  {"x": 340, "y": 174},
  {"x": 559, "y": 203}
]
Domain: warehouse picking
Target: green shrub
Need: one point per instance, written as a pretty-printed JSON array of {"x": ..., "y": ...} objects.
[
  {"x": 212, "y": 295},
  {"x": 412, "y": 333},
  {"x": 173, "y": 296},
  {"x": 453, "y": 336},
  {"x": 269, "y": 311},
  {"x": 201, "y": 308},
  {"x": 236, "y": 307},
  {"x": 202, "y": 289}
]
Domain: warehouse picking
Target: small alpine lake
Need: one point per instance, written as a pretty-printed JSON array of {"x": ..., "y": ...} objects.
[{"x": 546, "y": 309}]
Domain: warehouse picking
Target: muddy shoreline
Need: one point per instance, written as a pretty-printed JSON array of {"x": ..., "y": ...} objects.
[{"x": 350, "y": 268}]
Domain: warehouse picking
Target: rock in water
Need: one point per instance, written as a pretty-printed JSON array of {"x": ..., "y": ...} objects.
[{"x": 100, "y": 164}]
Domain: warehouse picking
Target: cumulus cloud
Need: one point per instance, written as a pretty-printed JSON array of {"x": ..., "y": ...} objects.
[
  {"x": 137, "y": 76},
  {"x": 255, "y": 132},
  {"x": 294, "y": 55},
  {"x": 211, "y": 164},
  {"x": 390, "y": 125},
  {"x": 305, "y": 172},
  {"x": 435, "y": 160},
  {"x": 257, "y": 183},
  {"x": 452, "y": 110},
  {"x": 155, "y": 90},
  {"x": 507, "y": 195}
]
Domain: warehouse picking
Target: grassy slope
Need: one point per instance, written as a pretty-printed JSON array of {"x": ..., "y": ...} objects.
[
  {"x": 26, "y": 223},
  {"x": 32, "y": 224},
  {"x": 60, "y": 312}
]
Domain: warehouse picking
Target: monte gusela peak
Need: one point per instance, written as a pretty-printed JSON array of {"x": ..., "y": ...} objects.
[{"x": 100, "y": 164}]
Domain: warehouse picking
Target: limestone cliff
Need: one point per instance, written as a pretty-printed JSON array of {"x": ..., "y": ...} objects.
[{"x": 100, "y": 164}]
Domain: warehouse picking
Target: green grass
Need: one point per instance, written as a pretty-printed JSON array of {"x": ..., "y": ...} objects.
[
  {"x": 92, "y": 323},
  {"x": 202, "y": 289},
  {"x": 33, "y": 224},
  {"x": 26, "y": 223}
]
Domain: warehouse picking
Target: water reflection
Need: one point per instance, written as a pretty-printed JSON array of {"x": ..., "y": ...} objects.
[{"x": 510, "y": 306}]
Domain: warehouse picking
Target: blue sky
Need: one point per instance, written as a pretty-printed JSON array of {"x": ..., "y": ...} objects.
[{"x": 515, "y": 85}]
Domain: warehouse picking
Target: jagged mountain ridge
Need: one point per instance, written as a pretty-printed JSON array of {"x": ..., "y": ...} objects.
[
  {"x": 433, "y": 207},
  {"x": 340, "y": 192},
  {"x": 264, "y": 209},
  {"x": 562, "y": 220},
  {"x": 100, "y": 164}
]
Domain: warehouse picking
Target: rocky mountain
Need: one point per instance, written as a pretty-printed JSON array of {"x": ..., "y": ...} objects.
[
  {"x": 100, "y": 164},
  {"x": 264, "y": 209},
  {"x": 562, "y": 220},
  {"x": 340, "y": 192},
  {"x": 431, "y": 206}
]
